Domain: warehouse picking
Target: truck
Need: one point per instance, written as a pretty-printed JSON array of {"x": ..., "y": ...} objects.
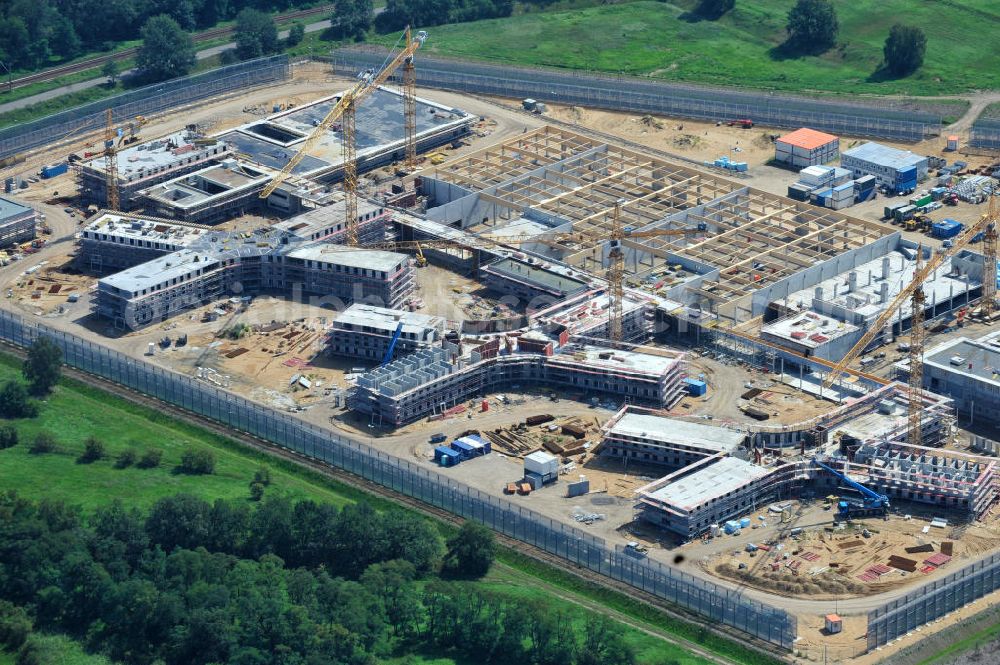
[{"x": 743, "y": 123}]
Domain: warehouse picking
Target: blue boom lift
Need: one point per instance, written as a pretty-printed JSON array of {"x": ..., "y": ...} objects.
[
  {"x": 392, "y": 344},
  {"x": 872, "y": 503}
]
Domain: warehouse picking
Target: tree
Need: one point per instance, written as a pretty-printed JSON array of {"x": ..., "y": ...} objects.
[
  {"x": 352, "y": 19},
  {"x": 93, "y": 450},
  {"x": 15, "y": 403},
  {"x": 42, "y": 366},
  {"x": 197, "y": 461},
  {"x": 8, "y": 437},
  {"x": 256, "y": 34},
  {"x": 296, "y": 34},
  {"x": 110, "y": 71},
  {"x": 812, "y": 25},
  {"x": 43, "y": 443},
  {"x": 167, "y": 51},
  {"x": 471, "y": 551},
  {"x": 150, "y": 459},
  {"x": 904, "y": 49},
  {"x": 256, "y": 491},
  {"x": 65, "y": 41},
  {"x": 178, "y": 521}
]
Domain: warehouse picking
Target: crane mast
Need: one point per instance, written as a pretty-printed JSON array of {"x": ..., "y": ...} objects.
[
  {"x": 616, "y": 276},
  {"x": 914, "y": 431},
  {"x": 410, "y": 106},
  {"x": 988, "y": 303},
  {"x": 111, "y": 162}
]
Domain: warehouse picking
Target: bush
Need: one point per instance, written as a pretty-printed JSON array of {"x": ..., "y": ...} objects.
[
  {"x": 256, "y": 491},
  {"x": 93, "y": 450},
  {"x": 15, "y": 626},
  {"x": 126, "y": 458},
  {"x": 8, "y": 437},
  {"x": 15, "y": 403},
  {"x": 150, "y": 459},
  {"x": 43, "y": 443},
  {"x": 262, "y": 476},
  {"x": 295, "y": 35},
  {"x": 197, "y": 461},
  {"x": 713, "y": 9}
]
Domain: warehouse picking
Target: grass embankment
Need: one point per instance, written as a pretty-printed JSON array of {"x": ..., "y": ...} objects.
[
  {"x": 662, "y": 40},
  {"x": 76, "y": 411}
]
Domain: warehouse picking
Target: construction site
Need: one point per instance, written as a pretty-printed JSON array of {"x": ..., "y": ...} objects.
[{"x": 753, "y": 389}]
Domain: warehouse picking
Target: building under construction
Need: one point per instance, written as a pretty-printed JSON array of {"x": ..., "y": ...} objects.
[
  {"x": 438, "y": 379},
  {"x": 367, "y": 331},
  {"x": 206, "y": 179},
  {"x": 865, "y": 440},
  {"x": 17, "y": 223}
]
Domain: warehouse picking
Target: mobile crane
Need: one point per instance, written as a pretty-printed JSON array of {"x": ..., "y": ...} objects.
[{"x": 872, "y": 503}]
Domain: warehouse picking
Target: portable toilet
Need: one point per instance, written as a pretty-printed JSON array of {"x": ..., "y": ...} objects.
[
  {"x": 834, "y": 624},
  {"x": 952, "y": 143}
]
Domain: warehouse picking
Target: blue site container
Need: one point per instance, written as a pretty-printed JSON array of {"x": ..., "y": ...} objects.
[
  {"x": 745, "y": 523},
  {"x": 947, "y": 228},
  {"x": 445, "y": 456},
  {"x": 52, "y": 170},
  {"x": 695, "y": 387},
  {"x": 732, "y": 526}
]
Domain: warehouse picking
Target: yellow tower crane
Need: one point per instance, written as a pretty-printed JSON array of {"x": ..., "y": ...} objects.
[
  {"x": 987, "y": 225},
  {"x": 345, "y": 111}
]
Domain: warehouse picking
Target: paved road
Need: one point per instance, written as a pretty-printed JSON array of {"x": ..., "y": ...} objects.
[{"x": 93, "y": 83}]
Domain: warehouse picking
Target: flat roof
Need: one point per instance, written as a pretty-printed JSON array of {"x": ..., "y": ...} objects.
[
  {"x": 10, "y": 208},
  {"x": 322, "y": 219},
  {"x": 373, "y": 259},
  {"x": 614, "y": 359},
  {"x": 884, "y": 155},
  {"x": 865, "y": 300},
  {"x": 189, "y": 190},
  {"x": 546, "y": 278},
  {"x": 807, "y": 139},
  {"x": 160, "y": 269},
  {"x": 387, "y": 319},
  {"x": 873, "y": 425},
  {"x": 724, "y": 476},
  {"x": 672, "y": 430},
  {"x": 147, "y": 158},
  {"x": 983, "y": 354},
  {"x": 144, "y": 228},
  {"x": 809, "y": 329}
]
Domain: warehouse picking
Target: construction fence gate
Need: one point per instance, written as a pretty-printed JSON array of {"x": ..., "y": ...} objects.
[{"x": 714, "y": 602}]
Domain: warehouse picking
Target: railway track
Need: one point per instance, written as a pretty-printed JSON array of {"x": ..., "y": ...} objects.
[
  {"x": 97, "y": 61},
  {"x": 375, "y": 489}
]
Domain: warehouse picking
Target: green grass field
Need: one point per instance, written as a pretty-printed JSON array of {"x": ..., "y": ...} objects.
[
  {"x": 61, "y": 651},
  {"x": 76, "y": 411},
  {"x": 655, "y": 39}
]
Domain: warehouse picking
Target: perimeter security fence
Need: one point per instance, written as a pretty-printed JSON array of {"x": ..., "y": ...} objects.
[
  {"x": 985, "y": 133},
  {"x": 933, "y": 600},
  {"x": 644, "y": 96},
  {"x": 709, "y": 600},
  {"x": 142, "y": 101}
]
